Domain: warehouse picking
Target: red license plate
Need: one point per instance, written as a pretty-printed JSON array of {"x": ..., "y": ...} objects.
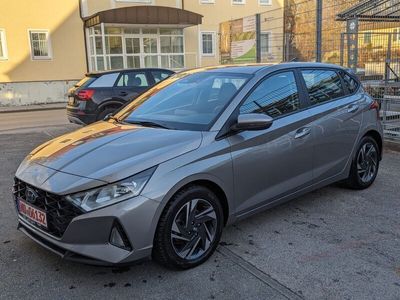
[{"x": 32, "y": 213}]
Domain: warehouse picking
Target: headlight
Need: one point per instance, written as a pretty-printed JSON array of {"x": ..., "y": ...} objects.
[{"x": 112, "y": 193}]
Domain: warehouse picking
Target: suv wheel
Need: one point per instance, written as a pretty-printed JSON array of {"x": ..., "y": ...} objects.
[
  {"x": 365, "y": 164},
  {"x": 105, "y": 112},
  {"x": 189, "y": 229}
]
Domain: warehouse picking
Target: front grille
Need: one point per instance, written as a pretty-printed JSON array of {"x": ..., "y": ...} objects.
[{"x": 59, "y": 211}]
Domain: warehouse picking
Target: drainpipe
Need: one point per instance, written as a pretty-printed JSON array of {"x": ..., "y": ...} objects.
[
  {"x": 183, "y": 4},
  {"x": 84, "y": 36}
]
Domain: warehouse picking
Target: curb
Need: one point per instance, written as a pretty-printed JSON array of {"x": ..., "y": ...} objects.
[{"x": 32, "y": 108}]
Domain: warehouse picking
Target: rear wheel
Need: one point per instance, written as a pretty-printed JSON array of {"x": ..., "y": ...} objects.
[
  {"x": 189, "y": 229},
  {"x": 365, "y": 165}
]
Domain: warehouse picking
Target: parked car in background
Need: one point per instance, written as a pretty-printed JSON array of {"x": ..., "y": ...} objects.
[
  {"x": 101, "y": 93},
  {"x": 166, "y": 173}
]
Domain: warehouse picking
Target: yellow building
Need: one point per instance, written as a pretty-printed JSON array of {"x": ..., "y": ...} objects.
[{"x": 46, "y": 45}]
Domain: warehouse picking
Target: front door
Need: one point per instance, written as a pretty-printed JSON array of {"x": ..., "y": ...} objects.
[{"x": 271, "y": 163}]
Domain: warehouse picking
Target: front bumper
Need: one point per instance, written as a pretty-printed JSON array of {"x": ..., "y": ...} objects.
[{"x": 86, "y": 238}]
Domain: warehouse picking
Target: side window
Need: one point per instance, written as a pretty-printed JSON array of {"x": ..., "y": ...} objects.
[
  {"x": 350, "y": 82},
  {"x": 159, "y": 75},
  {"x": 133, "y": 79},
  {"x": 106, "y": 80},
  {"x": 275, "y": 96},
  {"x": 322, "y": 85}
]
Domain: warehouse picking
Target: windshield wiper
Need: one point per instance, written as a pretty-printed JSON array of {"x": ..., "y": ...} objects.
[{"x": 148, "y": 124}]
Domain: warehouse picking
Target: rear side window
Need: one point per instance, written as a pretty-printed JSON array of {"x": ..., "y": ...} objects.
[
  {"x": 350, "y": 82},
  {"x": 160, "y": 75},
  {"x": 106, "y": 80},
  {"x": 133, "y": 79},
  {"x": 322, "y": 85},
  {"x": 275, "y": 96}
]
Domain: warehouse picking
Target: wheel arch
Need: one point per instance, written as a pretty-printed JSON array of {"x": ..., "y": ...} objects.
[
  {"x": 203, "y": 180},
  {"x": 110, "y": 103}
]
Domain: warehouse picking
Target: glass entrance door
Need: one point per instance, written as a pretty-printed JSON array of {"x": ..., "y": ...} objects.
[
  {"x": 141, "y": 52},
  {"x": 150, "y": 50},
  {"x": 132, "y": 48}
]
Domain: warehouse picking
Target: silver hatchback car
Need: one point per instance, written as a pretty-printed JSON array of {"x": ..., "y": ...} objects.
[{"x": 200, "y": 150}]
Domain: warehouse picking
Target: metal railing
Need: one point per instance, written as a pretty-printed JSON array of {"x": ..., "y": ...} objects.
[
  {"x": 388, "y": 96},
  {"x": 390, "y": 116}
]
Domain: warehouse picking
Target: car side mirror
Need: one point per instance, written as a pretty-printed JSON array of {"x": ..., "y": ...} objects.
[{"x": 252, "y": 122}]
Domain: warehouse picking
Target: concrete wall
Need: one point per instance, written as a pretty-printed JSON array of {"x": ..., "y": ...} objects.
[{"x": 26, "y": 93}]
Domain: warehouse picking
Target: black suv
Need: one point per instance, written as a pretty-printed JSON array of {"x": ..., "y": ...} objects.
[{"x": 101, "y": 93}]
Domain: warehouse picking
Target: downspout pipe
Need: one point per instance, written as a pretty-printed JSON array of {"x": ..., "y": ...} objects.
[{"x": 84, "y": 36}]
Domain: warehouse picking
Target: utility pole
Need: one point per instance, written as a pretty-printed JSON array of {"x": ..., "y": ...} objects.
[{"x": 318, "y": 38}]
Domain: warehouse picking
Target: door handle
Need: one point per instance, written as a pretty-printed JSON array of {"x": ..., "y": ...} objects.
[
  {"x": 352, "y": 108},
  {"x": 302, "y": 132},
  {"x": 123, "y": 93}
]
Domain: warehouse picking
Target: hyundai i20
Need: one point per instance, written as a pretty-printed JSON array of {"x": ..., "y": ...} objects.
[{"x": 196, "y": 152}]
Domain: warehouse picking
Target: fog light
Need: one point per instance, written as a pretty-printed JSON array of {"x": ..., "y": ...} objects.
[{"x": 118, "y": 237}]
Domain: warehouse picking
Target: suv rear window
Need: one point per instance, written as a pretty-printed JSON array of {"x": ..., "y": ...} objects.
[
  {"x": 322, "y": 85},
  {"x": 85, "y": 81},
  {"x": 106, "y": 80}
]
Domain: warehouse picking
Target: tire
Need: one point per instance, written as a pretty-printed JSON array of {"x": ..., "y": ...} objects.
[
  {"x": 364, "y": 169},
  {"x": 181, "y": 242},
  {"x": 105, "y": 112}
]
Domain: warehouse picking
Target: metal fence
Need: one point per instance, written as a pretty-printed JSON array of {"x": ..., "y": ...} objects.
[
  {"x": 388, "y": 96},
  {"x": 362, "y": 35}
]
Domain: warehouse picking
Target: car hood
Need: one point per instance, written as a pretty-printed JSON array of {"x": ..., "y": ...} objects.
[{"x": 106, "y": 152}]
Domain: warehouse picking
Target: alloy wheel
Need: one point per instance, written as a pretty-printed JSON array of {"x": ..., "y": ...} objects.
[
  {"x": 367, "y": 162},
  {"x": 194, "y": 229}
]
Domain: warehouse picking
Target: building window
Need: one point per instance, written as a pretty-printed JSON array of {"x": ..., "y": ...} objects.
[
  {"x": 136, "y": 1},
  {"x": 396, "y": 35},
  {"x": 238, "y": 1},
  {"x": 265, "y": 43},
  {"x": 207, "y": 1},
  {"x": 367, "y": 38},
  {"x": 208, "y": 43},
  {"x": 3, "y": 45},
  {"x": 40, "y": 44},
  {"x": 265, "y": 2}
]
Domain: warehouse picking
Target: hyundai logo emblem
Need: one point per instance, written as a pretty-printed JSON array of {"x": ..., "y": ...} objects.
[{"x": 30, "y": 195}]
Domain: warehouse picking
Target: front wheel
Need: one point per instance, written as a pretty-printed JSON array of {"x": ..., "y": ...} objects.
[
  {"x": 365, "y": 165},
  {"x": 189, "y": 229}
]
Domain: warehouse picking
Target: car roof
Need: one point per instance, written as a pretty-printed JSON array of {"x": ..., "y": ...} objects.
[
  {"x": 98, "y": 73},
  {"x": 254, "y": 68}
]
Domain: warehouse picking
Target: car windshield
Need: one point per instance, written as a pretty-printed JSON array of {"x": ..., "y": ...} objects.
[{"x": 185, "y": 101}]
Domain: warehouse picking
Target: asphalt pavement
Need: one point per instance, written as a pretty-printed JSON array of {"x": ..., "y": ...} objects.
[{"x": 333, "y": 243}]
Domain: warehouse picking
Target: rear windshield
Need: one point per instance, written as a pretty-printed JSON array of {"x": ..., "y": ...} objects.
[{"x": 85, "y": 81}]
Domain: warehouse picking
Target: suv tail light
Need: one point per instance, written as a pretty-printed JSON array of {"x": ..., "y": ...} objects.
[{"x": 85, "y": 94}]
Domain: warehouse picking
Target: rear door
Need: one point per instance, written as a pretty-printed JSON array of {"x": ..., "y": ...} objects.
[
  {"x": 271, "y": 163},
  {"x": 337, "y": 121},
  {"x": 130, "y": 84},
  {"x": 159, "y": 75}
]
